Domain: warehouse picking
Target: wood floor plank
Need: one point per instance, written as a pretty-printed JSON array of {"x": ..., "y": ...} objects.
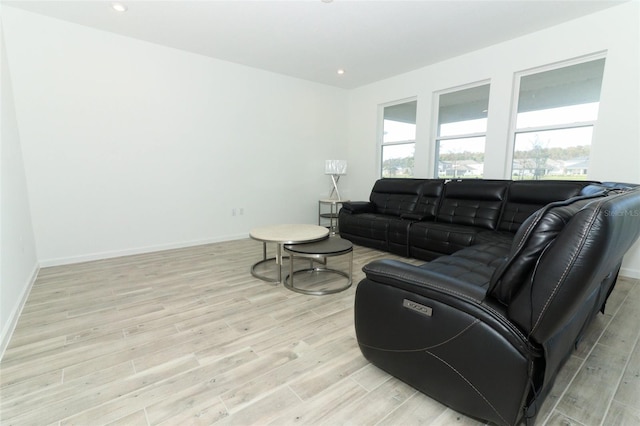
[
  {"x": 317, "y": 411},
  {"x": 583, "y": 400},
  {"x": 628, "y": 391},
  {"x": 85, "y": 360},
  {"x": 31, "y": 386},
  {"x": 208, "y": 412},
  {"x": 64, "y": 388},
  {"x": 325, "y": 374},
  {"x": 370, "y": 377},
  {"x": 562, "y": 381},
  {"x": 416, "y": 410},
  {"x": 200, "y": 404},
  {"x": 623, "y": 331},
  {"x": 239, "y": 369},
  {"x": 139, "y": 418},
  {"x": 62, "y": 401},
  {"x": 560, "y": 419},
  {"x": 153, "y": 385},
  {"x": 246, "y": 393},
  {"x": 265, "y": 409},
  {"x": 623, "y": 415},
  {"x": 30, "y": 349},
  {"x": 388, "y": 396},
  {"x": 167, "y": 351},
  {"x": 188, "y": 336}
]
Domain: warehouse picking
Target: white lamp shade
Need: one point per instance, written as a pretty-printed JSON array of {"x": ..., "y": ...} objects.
[{"x": 335, "y": 167}]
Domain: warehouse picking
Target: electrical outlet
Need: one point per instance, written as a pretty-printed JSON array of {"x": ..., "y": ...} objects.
[
  {"x": 233, "y": 212},
  {"x": 241, "y": 211}
]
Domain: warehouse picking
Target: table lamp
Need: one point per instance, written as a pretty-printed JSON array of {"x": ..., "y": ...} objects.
[{"x": 335, "y": 168}]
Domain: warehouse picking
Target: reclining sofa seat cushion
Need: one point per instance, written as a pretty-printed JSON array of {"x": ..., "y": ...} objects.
[
  {"x": 367, "y": 223},
  {"x": 467, "y": 207},
  {"x": 475, "y": 265}
]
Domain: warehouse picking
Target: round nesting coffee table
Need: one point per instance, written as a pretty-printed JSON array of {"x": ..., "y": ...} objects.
[
  {"x": 319, "y": 251},
  {"x": 281, "y": 235}
]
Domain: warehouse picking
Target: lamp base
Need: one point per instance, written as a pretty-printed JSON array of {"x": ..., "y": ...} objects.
[{"x": 335, "y": 179}]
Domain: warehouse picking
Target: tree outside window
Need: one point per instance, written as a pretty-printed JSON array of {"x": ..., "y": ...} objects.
[{"x": 557, "y": 110}]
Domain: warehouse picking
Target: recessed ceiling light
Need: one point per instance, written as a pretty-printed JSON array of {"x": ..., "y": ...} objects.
[
  {"x": 119, "y": 7},
  {"x": 340, "y": 71}
]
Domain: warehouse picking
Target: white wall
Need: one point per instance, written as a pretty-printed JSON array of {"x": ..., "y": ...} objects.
[
  {"x": 616, "y": 142},
  {"x": 131, "y": 147},
  {"x": 18, "y": 261}
]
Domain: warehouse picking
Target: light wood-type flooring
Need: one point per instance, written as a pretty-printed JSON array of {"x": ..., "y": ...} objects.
[{"x": 188, "y": 336}]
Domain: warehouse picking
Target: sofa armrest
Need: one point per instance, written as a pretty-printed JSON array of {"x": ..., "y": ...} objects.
[
  {"x": 420, "y": 281},
  {"x": 356, "y": 207},
  {"x": 437, "y": 334},
  {"x": 465, "y": 297}
]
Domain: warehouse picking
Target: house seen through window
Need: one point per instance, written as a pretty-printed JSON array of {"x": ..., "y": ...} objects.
[{"x": 556, "y": 112}]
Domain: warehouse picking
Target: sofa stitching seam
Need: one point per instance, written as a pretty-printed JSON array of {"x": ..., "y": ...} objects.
[
  {"x": 462, "y": 376},
  {"x": 564, "y": 273},
  {"x": 426, "y": 348}
]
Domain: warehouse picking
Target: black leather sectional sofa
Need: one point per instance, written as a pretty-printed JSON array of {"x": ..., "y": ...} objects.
[
  {"x": 520, "y": 270},
  {"x": 427, "y": 218}
]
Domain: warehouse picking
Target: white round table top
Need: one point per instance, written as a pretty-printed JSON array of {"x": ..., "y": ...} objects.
[{"x": 290, "y": 233}]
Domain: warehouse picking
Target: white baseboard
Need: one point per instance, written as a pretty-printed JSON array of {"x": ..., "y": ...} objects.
[
  {"x": 139, "y": 250},
  {"x": 630, "y": 272},
  {"x": 10, "y": 326}
]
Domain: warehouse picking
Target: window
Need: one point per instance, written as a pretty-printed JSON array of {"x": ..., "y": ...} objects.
[
  {"x": 557, "y": 110},
  {"x": 461, "y": 132},
  {"x": 398, "y": 139}
]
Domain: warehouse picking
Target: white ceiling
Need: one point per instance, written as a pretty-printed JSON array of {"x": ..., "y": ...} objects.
[{"x": 312, "y": 39}]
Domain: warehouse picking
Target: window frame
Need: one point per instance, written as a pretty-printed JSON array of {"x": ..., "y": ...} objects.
[
  {"x": 381, "y": 144},
  {"x": 436, "y": 122},
  {"x": 514, "y": 131}
]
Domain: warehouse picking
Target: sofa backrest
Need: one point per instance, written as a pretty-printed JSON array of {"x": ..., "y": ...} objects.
[
  {"x": 472, "y": 202},
  {"x": 525, "y": 197},
  {"x": 537, "y": 232},
  {"x": 575, "y": 273},
  {"x": 396, "y": 196},
  {"x": 589, "y": 247},
  {"x": 430, "y": 194}
]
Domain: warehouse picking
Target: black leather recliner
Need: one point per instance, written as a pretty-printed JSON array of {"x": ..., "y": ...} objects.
[
  {"x": 394, "y": 205},
  {"x": 486, "y": 329}
]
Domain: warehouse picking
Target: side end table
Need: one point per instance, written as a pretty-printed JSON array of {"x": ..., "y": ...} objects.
[
  {"x": 332, "y": 215},
  {"x": 281, "y": 235},
  {"x": 319, "y": 251}
]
